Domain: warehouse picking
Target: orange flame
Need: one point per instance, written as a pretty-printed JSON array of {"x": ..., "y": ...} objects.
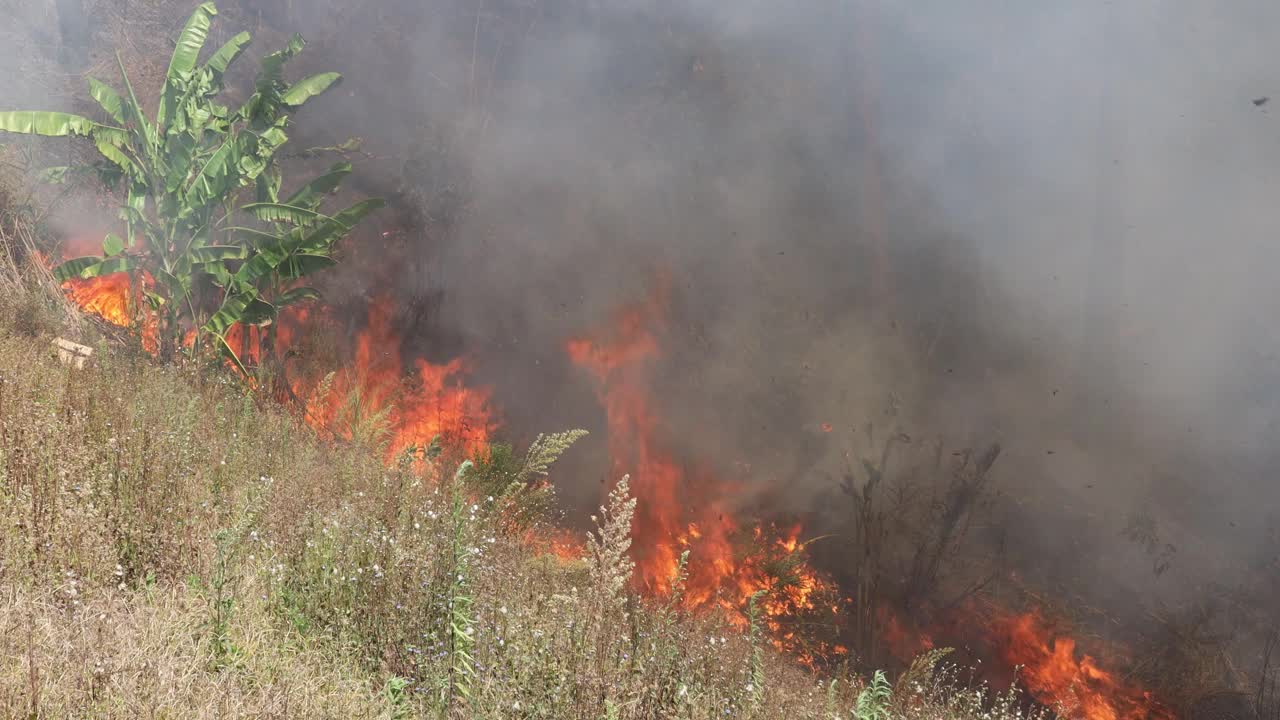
[
  {"x": 106, "y": 296},
  {"x": 679, "y": 510},
  {"x": 432, "y": 402},
  {"x": 1057, "y": 678},
  {"x": 112, "y": 298}
]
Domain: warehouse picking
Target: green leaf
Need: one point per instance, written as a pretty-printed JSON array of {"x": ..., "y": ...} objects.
[
  {"x": 304, "y": 90},
  {"x": 227, "y": 54},
  {"x": 310, "y": 195},
  {"x": 354, "y": 214},
  {"x": 335, "y": 228},
  {"x": 111, "y": 266},
  {"x": 219, "y": 272},
  {"x": 303, "y": 264},
  {"x": 134, "y": 210},
  {"x": 179, "y": 287},
  {"x": 219, "y": 253},
  {"x": 108, "y": 99},
  {"x": 254, "y": 235},
  {"x": 73, "y": 269},
  {"x": 273, "y": 64},
  {"x": 156, "y": 301},
  {"x": 233, "y": 307},
  {"x": 267, "y": 259},
  {"x": 55, "y": 175},
  {"x": 184, "y": 59},
  {"x": 280, "y": 212},
  {"x": 51, "y": 124},
  {"x": 297, "y": 295},
  {"x": 133, "y": 111},
  {"x": 263, "y": 107},
  {"x": 111, "y": 143},
  {"x": 259, "y": 312},
  {"x": 214, "y": 178},
  {"x": 268, "y": 186},
  {"x": 92, "y": 267},
  {"x": 179, "y": 147},
  {"x": 112, "y": 245}
]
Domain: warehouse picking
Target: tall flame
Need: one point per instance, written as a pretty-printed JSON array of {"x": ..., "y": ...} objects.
[{"x": 680, "y": 509}]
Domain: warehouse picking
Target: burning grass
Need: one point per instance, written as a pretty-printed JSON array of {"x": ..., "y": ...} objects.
[
  {"x": 170, "y": 545},
  {"x": 1055, "y": 672},
  {"x": 686, "y": 514},
  {"x": 363, "y": 577}
]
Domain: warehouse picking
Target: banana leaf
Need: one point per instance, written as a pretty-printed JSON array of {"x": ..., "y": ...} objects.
[
  {"x": 303, "y": 264},
  {"x": 112, "y": 245},
  {"x": 304, "y": 90},
  {"x": 254, "y": 235},
  {"x": 233, "y": 307},
  {"x": 297, "y": 295},
  {"x": 133, "y": 111},
  {"x": 310, "y": 195},
  {"x": 108, "y": 99},
  {"x": 230, "y": 353},
  {"x": 280, "y": 212},
  {"x": 259, "y": 312},
  {"x": 333, "y": 229},
  {"x": 214, "y": 178},
  {"x": 219, "y": 253},
  {"x": 184, "y": 59},
  {"x": 225, "y": 55},
  {"x": 51, "y": 124},
  {"x": 111, "y": 266},
  {"x": 72, "y": 269}
]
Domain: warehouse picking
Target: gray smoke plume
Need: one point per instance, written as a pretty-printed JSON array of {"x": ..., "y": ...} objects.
[{"x": 1043, "y": 224}]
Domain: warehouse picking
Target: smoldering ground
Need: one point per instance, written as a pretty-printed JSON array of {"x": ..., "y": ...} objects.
[{"x": 1047, "y": 225}]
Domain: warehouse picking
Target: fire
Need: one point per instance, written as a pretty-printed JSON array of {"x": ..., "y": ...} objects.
[
  {"x": 106, "y": 296},
  {"x": 560, "y": 543},
  {"x": 1057, "y": 677},
  {"x": 683, "y": 509},
  {"x": 112, "y": 298},
  {"x": 433, "y": 401}
]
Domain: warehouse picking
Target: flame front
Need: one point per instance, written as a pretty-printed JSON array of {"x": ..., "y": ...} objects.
[
  {"x": 683, "y": 509},
  {"x": 106, "y": 296},
  {"x": 679, "y": 509},
  {"x": 432, "y": 402},
  {"x": 112, "y": 298},
  {"x": 1057, "y": 678}
]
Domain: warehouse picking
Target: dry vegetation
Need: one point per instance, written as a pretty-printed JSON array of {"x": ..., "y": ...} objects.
[{"x": 171, "y": 546}]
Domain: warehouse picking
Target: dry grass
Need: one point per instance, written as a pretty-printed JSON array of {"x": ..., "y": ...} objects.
[
  {"x": 143, "y": 654},
  {"x": 172, "y": 546}
]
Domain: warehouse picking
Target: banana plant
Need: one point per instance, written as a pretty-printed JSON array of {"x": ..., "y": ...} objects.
[{"x": 204, "y": 220}]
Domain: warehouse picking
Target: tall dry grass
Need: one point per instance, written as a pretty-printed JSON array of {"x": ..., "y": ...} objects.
[{"x": 173, "y": 546}]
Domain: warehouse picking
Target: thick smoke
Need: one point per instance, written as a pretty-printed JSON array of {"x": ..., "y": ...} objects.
[
  {"x": 1037, "y": 224},
  {"x": 1043, "y": 224}
]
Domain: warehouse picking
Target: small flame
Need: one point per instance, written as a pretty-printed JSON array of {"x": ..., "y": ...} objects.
[
  {"x": 1054, "y": 674},
  {"x": 431, "y": 402}
]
